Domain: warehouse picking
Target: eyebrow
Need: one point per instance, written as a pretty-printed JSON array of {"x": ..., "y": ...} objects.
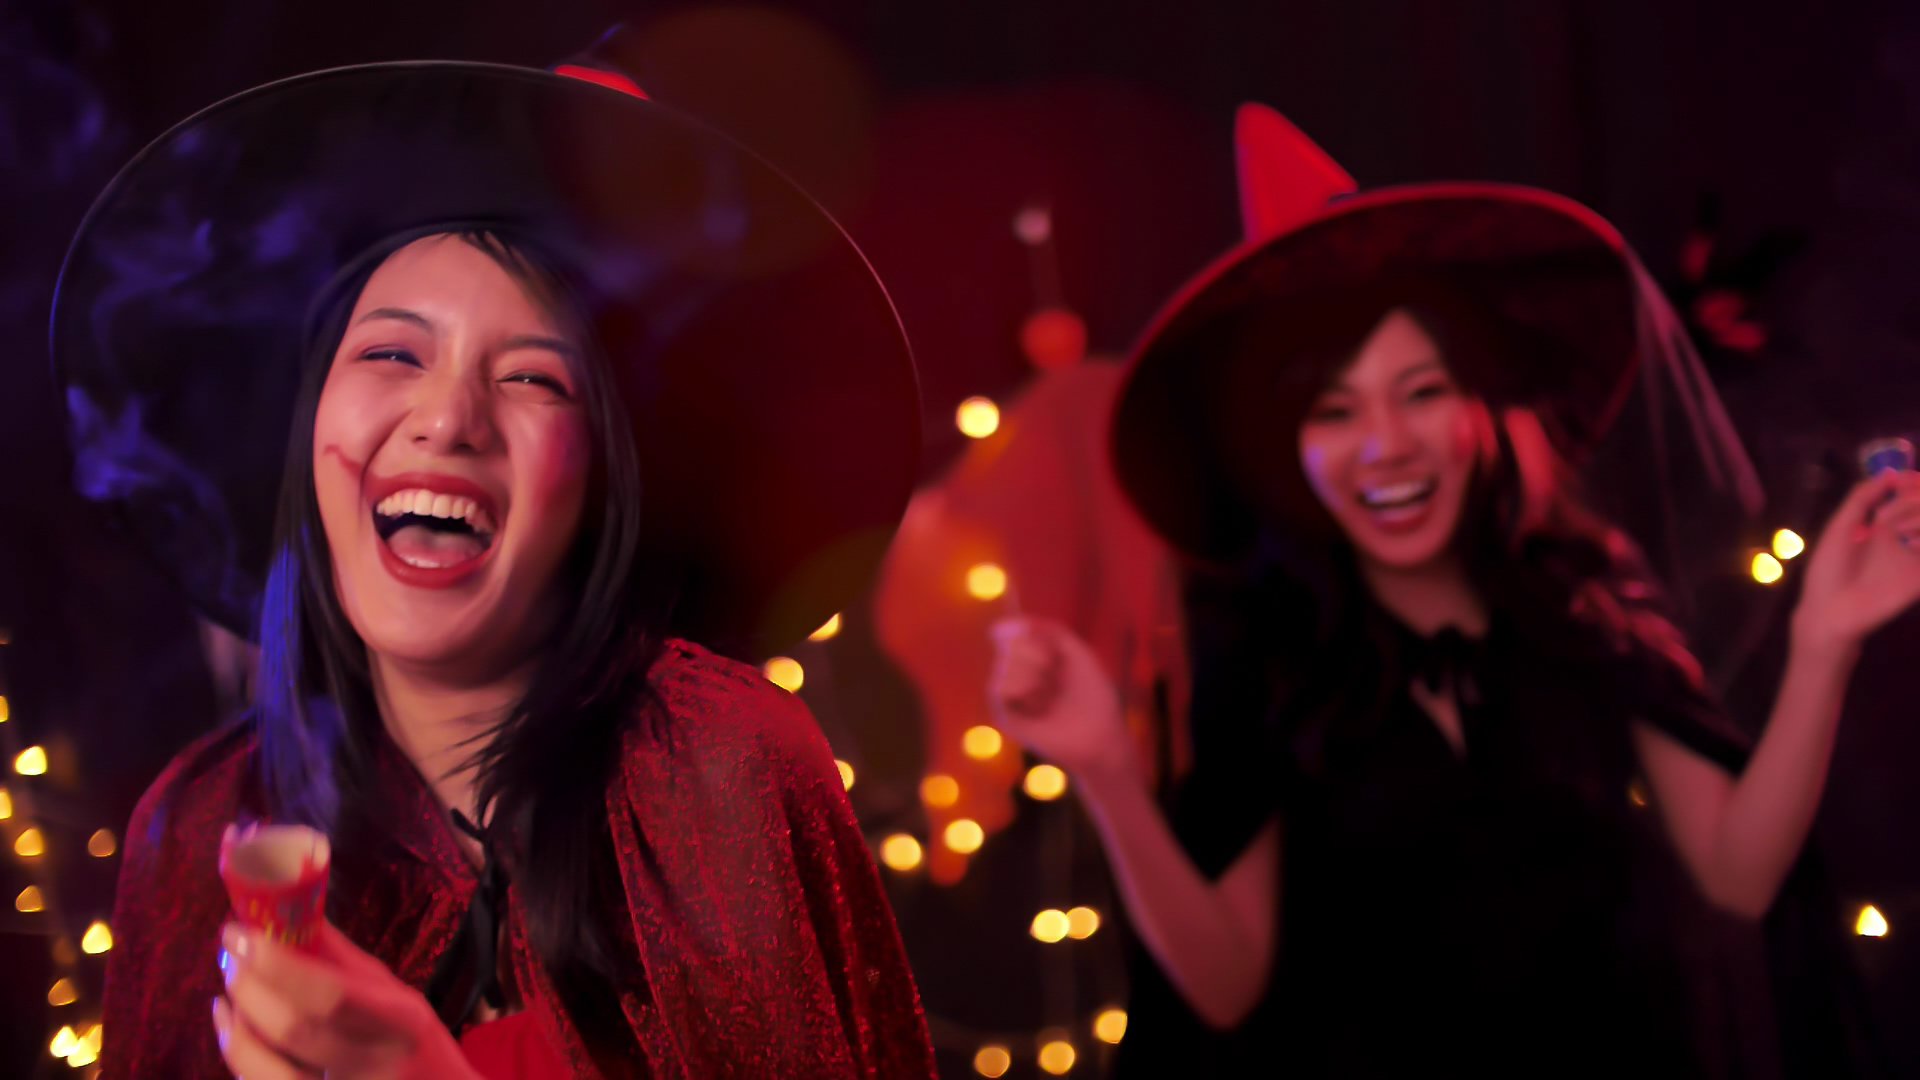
[
  {"x": 1420, "y": 368},
  {"x": 536, "y": 341},
  {"x": 402, "y": 314}
]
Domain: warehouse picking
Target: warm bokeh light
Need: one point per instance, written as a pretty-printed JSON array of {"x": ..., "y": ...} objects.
[
  {"x": 1110, "y": 1026},
  {"x": 964, "y": 835},
  {"x": 29, "y": 843},
  {"x": 95, "y": 1036},
  {"x": 6, "y": 804},
  {"x": 981, "y": 742},
  {"x": 1787, "y": 544},
  {"x": 900, "y": 852},
  {"x": 96, "y": 940},
  {"x": 786, "y": 673},
  {"x": 29, "y": 900},
  {"x": 846, "y": 773},
  {"x": 940, "y": 791},
  {"x": 1045, "y": 782},
  {"x": 63, "y": 993},
  {"x": 826, "y": 631},
  {"x": 1057, "y": 1057},
  {"x": 992, "y": 1061},
  {"x": 100, "y": 844},
  {"x": 1766, "y": 568},
  {"x": 1082, "y": 922},
  {"x": 65, "y": 1043},
  {"x": 83, "y": 1056},
  {"x": 986, "y": 581},
  {"x": 1871, "y": 923},
  {"x": 31, "y": 762},
  {"x": 1050, "y": 925},
  {"x": 977, "y": 417},
  {"x": 5, "y": 715}
]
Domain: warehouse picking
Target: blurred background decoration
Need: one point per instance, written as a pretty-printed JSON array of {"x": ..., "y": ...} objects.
[{"x": 1031, "y": 180}]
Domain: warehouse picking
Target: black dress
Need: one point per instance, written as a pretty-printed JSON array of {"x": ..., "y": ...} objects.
[{"x": 1510, "y": 910}]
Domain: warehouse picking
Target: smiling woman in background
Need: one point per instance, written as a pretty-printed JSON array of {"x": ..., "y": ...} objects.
[
  {"x": 578, "y": 403},
  {"x": 1426, "y": 675}
]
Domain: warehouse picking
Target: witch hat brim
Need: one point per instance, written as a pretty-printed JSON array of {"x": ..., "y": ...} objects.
[
  {"x": 1545, "y": 263},
  {"x": 773, "y": 393}
]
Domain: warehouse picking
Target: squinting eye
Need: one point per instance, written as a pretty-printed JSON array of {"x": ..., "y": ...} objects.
[
  {"x": 1430, "y": 391},
  {"x": 534, "y": 378},
  {"x": 401, "y": 356}
]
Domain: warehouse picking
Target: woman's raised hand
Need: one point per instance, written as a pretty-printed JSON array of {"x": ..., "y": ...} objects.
[
  {"x": 1051, "y": 694},
  {"x": 1865, "y": 568}
]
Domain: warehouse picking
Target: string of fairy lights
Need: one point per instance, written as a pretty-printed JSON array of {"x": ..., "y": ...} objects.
[{"x": 72, "y": 997}]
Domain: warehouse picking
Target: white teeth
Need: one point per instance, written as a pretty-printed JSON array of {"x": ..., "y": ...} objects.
[
  {"x": 1397, "y": 494},
  {"x": 433, "y": 504}
]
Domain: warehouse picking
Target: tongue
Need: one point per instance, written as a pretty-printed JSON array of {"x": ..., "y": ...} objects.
[{"x": 422, "y": 546}]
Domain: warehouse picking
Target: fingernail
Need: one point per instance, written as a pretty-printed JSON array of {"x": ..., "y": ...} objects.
[{"x": 237, "y": 941}]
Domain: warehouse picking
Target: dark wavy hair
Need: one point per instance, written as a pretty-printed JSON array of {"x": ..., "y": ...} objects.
[
  {"x": 542, "y": 769},
  {"x": 1571, "y": 582}
]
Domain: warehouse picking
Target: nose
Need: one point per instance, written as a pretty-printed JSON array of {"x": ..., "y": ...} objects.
[
  {"x": 452, "y": 412},
  {"x": 1388, "y": 437}
]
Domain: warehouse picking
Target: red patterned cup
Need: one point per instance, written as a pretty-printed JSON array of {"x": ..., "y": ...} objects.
[{"x": 276, "y": 877}]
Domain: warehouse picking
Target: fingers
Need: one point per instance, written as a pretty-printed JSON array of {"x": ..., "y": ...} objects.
[
  {"x": 298, "y": 1006},
  {"x": 1855, "y": 512},
  {"x": 1901, "y": 515},
  {"x": 247, "y": 1055},
  {"x": 1027, "y": 659}
]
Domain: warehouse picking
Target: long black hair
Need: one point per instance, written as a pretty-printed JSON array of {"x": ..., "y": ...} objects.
[
  {"x": 541, "y": 770},
  {"x": 1540, "y": 558}
]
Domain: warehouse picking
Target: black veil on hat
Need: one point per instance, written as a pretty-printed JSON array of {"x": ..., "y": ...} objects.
[{"x": 773, "y": 394}]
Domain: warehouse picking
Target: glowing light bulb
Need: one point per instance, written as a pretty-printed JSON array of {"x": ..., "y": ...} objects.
[
  {"x": 1766, "y": 568},
  {"x": 826, "y": 631},
  {"x": 31, "y": 762},
  {"x": 96, "y": 940},
  {"x": 786, "y": 673},
  {"x": 846, "y": 773},
  {"x": 29, "y": 844},
  {"x": 83, "y": 1056},
  {"x": 100, "y": 844},
  {"x": 977, "y": 418},
  {"x": 5, "y": 714},
  {"x": 30, "y": 900},
  {"x": 63, "y": 993},
  {"x": 1057, "y": 1057},
  {"x": 992, "y": 1061},
  {"x": 1050, "y": 926},
  {"x": 940, "y": 791},
  {"x": 1110, "y": 1026},
  {"x": 964, "y": 835},
  {"x": 1082, "y": 922},
  {"x": 981, "y": 742},
  {"x": 900, "y": 852},
  {"x": 1045, "y": 783},
  {"x": 6, "y": 805},
  {"x": 1787, "y": 544},
  {"x": 986, "y": 581},
  {"x": 95, "y": 1036},
  {"x": 1871, "y": 923},
  {"x": 66, "y": 1042}
]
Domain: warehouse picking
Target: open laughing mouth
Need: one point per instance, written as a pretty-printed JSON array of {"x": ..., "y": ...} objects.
[
  {"x": 1402, "y": 503},
  {"x": 433, "y": 531}
]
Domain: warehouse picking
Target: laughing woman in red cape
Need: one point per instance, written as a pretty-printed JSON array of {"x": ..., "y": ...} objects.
[
  {"x": 1447, "y": 746},
  {"x": 580, "y": 406}
]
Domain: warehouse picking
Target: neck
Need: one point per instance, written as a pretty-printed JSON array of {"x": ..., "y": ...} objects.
[
  {"x": 1428, "y": 598},
  {"x": 440, "y": 724}
]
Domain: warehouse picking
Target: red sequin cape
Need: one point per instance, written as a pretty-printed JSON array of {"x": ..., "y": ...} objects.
[{"x": 765, "y": 946}]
